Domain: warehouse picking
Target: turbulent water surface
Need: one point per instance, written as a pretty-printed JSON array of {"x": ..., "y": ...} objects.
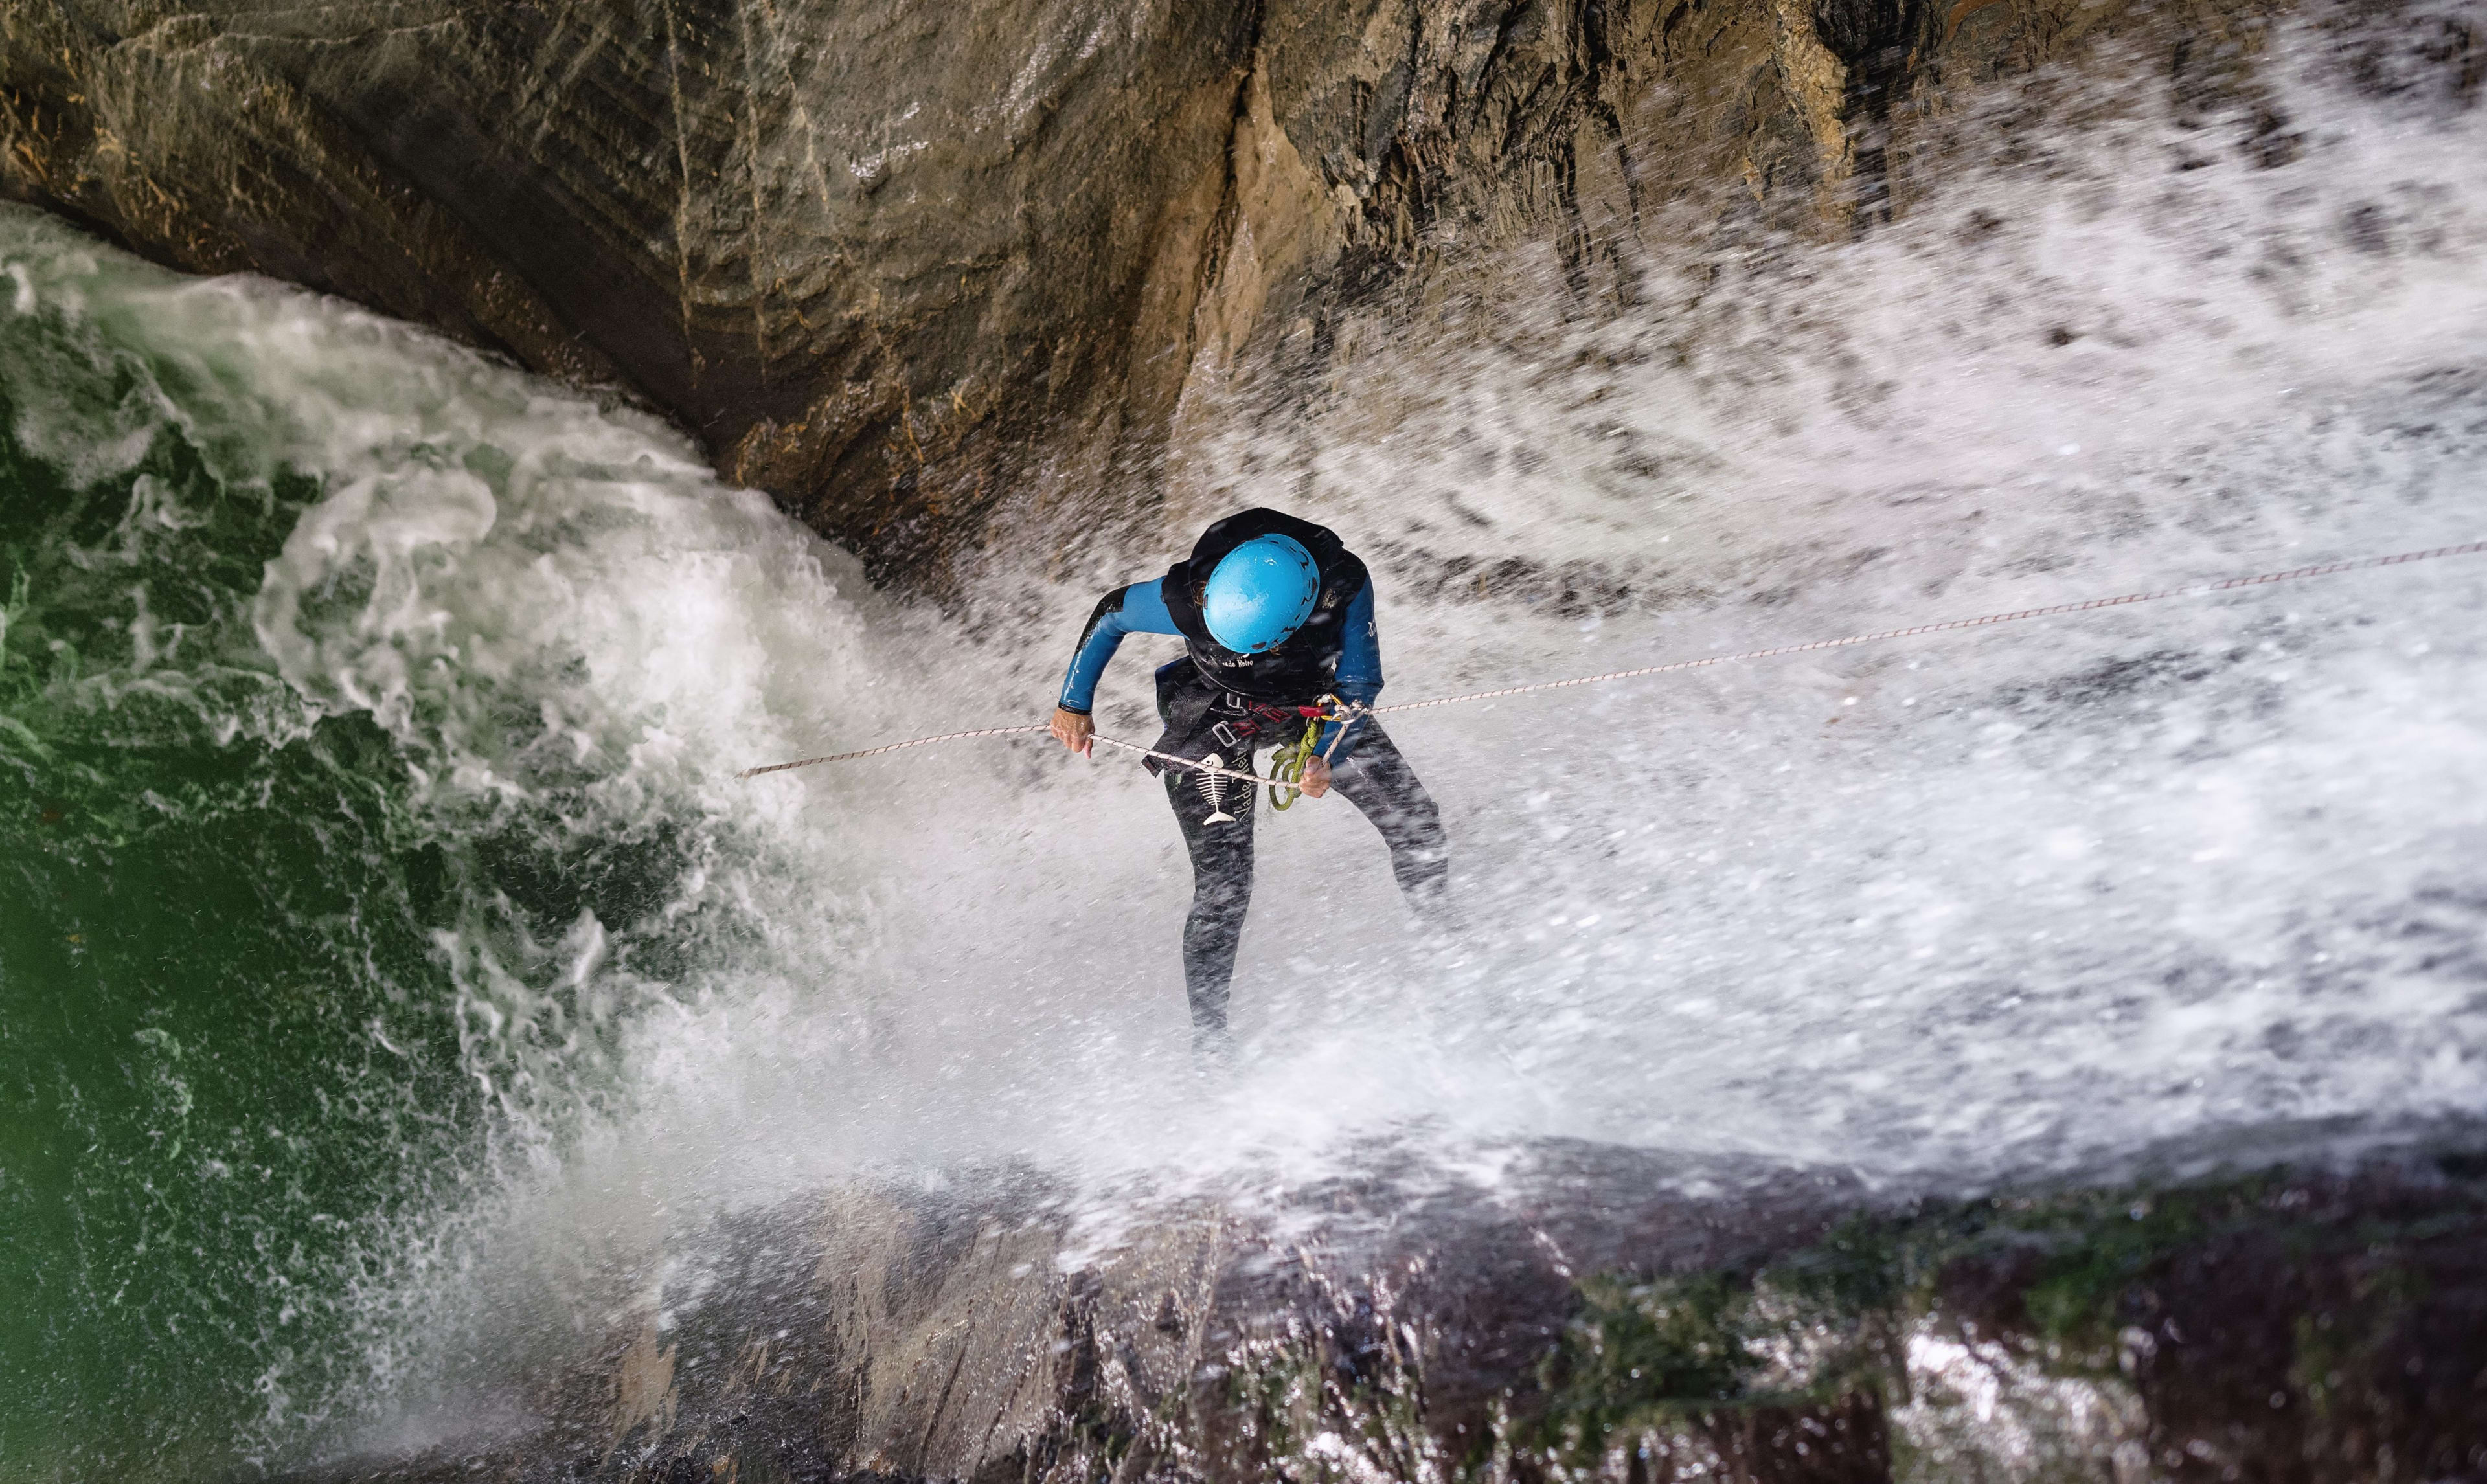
[{"x": 389, "y": 956}]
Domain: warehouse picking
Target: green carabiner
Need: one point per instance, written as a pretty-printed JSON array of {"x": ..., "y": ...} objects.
[{"x": 1287, "y": 763}]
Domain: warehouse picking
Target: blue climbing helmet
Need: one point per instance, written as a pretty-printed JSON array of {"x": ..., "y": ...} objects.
[{"x": 1259, "y": 593}]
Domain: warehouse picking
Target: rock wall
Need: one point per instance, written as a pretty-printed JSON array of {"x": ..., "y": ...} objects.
[
  {"x": 902, "y": 265},
  {"x": 1601, "y": 1315}
]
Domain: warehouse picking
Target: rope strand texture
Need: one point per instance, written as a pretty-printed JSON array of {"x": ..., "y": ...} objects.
[
  {"x": 2197, "y": 589},
  {"x": 1196, "y": 764},
  {"x": 2052, "y": 610}
]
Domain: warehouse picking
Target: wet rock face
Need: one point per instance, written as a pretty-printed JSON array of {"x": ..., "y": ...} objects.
[
  {"x": 829, "y": 237},
  {"x": 902, "y": 264},
  {"x": 1597, "y": 1319}
]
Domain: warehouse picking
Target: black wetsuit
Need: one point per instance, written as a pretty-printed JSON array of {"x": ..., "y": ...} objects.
[{"x": 1216, "y": 701}]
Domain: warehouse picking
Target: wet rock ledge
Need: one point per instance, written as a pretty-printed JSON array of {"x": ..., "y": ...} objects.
[{"x": 1598, "y": 1316}]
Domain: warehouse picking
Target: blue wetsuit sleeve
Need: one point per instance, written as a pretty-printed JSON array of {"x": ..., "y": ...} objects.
[
  {"x": 1138, "y": 609},
  {"x": 1359, "y": 672}
]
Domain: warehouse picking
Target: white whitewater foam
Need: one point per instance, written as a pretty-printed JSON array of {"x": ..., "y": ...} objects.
[{"x": 1998, "y": 902}]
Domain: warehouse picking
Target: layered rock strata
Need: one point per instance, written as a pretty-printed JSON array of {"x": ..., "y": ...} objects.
[{"x": 902, "y": 265}]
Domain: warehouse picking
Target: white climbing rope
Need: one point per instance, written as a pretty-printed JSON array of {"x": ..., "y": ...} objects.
[
  {"x": 893, "y": 747},
  {"x": 1350, "y": 710},
  {"x": 1196, "y": 764}
]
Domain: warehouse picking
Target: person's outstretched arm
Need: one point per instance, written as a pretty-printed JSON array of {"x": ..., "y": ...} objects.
[{"x": 1138, "y": 609}]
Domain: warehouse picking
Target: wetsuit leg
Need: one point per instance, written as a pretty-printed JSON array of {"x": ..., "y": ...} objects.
[
  {"x": 1221, "y": 890},
  {"x": 1379, "y": 781}
]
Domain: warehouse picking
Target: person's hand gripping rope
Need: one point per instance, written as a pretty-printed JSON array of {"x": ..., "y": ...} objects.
[{"x": 1316, "y": 778}]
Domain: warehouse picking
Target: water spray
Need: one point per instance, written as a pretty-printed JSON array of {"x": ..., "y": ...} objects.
[{"x": 1347, "y": 711}]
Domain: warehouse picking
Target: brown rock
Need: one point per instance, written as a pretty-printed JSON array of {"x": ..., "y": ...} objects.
[{"x": 900, "y": 265}]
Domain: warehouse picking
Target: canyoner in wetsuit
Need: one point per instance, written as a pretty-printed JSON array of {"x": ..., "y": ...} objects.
[{"x": 1275, "y": 613}]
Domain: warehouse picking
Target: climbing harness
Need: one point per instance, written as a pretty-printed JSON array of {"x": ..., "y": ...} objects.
[{"x": 1334, "y": 709}]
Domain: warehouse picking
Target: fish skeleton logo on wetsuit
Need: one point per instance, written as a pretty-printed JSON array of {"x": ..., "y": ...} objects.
[{"x": 1275, "y": 613}]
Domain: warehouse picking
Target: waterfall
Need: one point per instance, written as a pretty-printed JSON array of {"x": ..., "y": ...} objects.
[{"x": 399, "y": 980}]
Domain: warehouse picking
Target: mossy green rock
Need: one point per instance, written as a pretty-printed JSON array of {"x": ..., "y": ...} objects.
[{"x": 2314, "y": 1327}]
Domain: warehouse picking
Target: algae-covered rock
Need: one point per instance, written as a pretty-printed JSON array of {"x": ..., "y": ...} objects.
[{"x": 1595, "y": 1315}]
